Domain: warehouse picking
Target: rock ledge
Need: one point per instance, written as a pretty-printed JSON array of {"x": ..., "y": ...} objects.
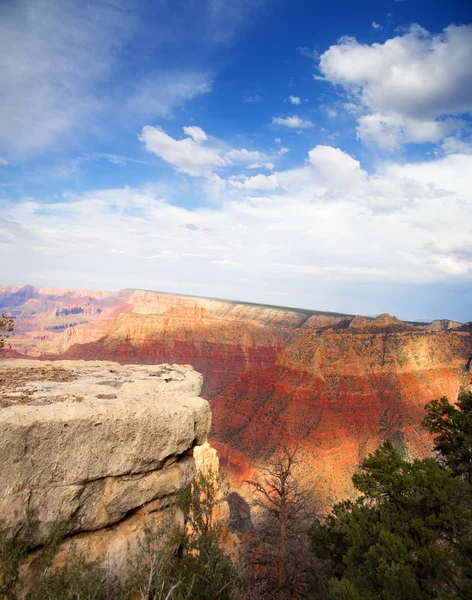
[{"x": 97, "y": 444}]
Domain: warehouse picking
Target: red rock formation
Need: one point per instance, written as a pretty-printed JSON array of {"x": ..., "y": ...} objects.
[
  {"x": 339, "y": 385},
  {"x": 340, "y": 392},
  {"x": 219, "y": 348},
  {"x": 49, "y": 320}
]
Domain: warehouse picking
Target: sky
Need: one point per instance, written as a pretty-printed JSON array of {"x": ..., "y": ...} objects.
[{"x": 288, "y": 152}]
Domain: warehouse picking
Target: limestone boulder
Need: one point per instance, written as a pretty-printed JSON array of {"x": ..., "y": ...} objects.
[{"x": 93, "y": 443}]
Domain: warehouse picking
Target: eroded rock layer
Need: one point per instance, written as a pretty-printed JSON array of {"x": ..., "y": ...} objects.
[
  {"x": 339, "y": 393},
  {"x": 336, "y": 383},
  {"x": 97, "y": 445}
]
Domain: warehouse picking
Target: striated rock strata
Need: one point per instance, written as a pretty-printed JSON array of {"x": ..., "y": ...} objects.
[
  {"x": 339, "y": 392},
  {"x": 98, "y": 445},
  {"x": 338, "y": 384}
]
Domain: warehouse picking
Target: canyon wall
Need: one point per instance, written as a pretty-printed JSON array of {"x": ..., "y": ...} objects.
[
  {"x": 338, "y": 393},
  {"x": 336, "y": 384},
  {"x": 102, "y": 447}
]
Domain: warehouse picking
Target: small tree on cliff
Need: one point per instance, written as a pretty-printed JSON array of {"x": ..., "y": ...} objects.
[
  {"x": 276, "y": 548},
  {"x": 189, "y": 563},
  {"x": 452, "y": 426},
  {"x": 406, "y": 537},
  {"x": 6, "y": 327}
]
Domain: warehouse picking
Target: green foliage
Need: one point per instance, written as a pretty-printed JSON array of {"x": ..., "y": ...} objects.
[
  {"x": 170, "y": 563},
  {"x": 43, "y": 560},
  {"x": 77, "y": 580},
  {"x": 6, "y": 327},
  {"x": 406, "y": 537},
  {"x": 13, "y": 548},
  {"x": 452, "y": 426},
  {"x": 190, "y": 563},
  {"x": 204, "y": 569}
]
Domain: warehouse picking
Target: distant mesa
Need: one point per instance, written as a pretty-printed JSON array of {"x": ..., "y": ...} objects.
[
  {"x": 385, "y": 320},
  {"x": 358, "y": 322},
  {"x": 443, "y": 325}
]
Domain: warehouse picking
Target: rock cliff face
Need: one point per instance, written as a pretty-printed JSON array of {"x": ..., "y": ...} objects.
[
  {"x": 98, "y": 445},
  {"x": 338, "y": 384},
  {"x": 340, "y": 392},
  {"x": 51, "y": 319}
]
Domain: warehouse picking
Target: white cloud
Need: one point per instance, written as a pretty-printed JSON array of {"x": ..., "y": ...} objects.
[
  {"x": 277, "y": 140},
  {"x": 352, "y": 108},
  {"x": 336, "y": 167},
  {"x": 376, "y": 25},
  {"x": 159, "y": 93},
  {"x": 283, "y": 151},
  {"x": 225, "y": 20},
  {"x": 325, "y": 223},
  {"x": 186, "y": 155},
  {"x": 258, "y": 182},
  {"x": 197, "y": 155},
  {"x": 294, "y": 100},
  {"x": 414, "y": 86},
  {"x": 294, "y": 122},
  {"x": 56, "y": 57},
  {"x": 332, "y": 114},
  {"x": 244, "y": 155},
  {"x": 62, "y": 76},
  {"x": 453, "y": 145},
  {"x": 196, "y": 133},
  {"x": 392, "y": 131},
  {"x": 3, "y": 162},
  {"x": 267, "y": 165}
]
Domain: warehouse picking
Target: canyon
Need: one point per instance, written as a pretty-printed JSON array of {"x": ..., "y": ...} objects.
[{"x": 336, "y": 385}]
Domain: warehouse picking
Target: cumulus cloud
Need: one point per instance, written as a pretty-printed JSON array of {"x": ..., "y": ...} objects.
[
  {"x": 392, "y": 130},
  {"x": 415, "y": 86},
  {"x": 187, "y": 155},
  {"x": 294, "y": 100},
  {"x": 196, "y": 133},
  {"x": 294, "y": 122},
  {"x": 267, "y": 165},
  {"x": 323, "y": 224},
  {"x": 336, "y": 167},
  {"x": 196, "y": 154},
  {"x": 258, "y": 182},
  {"x": 244, "y": 155},
  {"x": 453, "y": 145}
]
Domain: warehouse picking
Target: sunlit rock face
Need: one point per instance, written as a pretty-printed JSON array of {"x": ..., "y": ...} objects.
[
  {"x": 340, "y": 392},
  {"x": 336, "y": 383},
  {"x": 98, "y": 445},
  {"x": 49, "y": 320}
]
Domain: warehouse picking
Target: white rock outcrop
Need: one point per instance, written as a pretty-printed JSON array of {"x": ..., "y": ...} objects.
[{"x": 97, "y": 444}]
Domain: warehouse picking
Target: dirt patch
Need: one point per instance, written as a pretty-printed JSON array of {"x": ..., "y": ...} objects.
[{"x": 17, "y": 384}]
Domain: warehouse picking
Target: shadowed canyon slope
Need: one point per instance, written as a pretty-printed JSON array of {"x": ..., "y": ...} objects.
[{"x": 337, "y": 384}]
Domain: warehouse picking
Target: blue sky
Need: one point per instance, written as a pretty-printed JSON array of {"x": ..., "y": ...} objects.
[{"x": 290, "y": 152}]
